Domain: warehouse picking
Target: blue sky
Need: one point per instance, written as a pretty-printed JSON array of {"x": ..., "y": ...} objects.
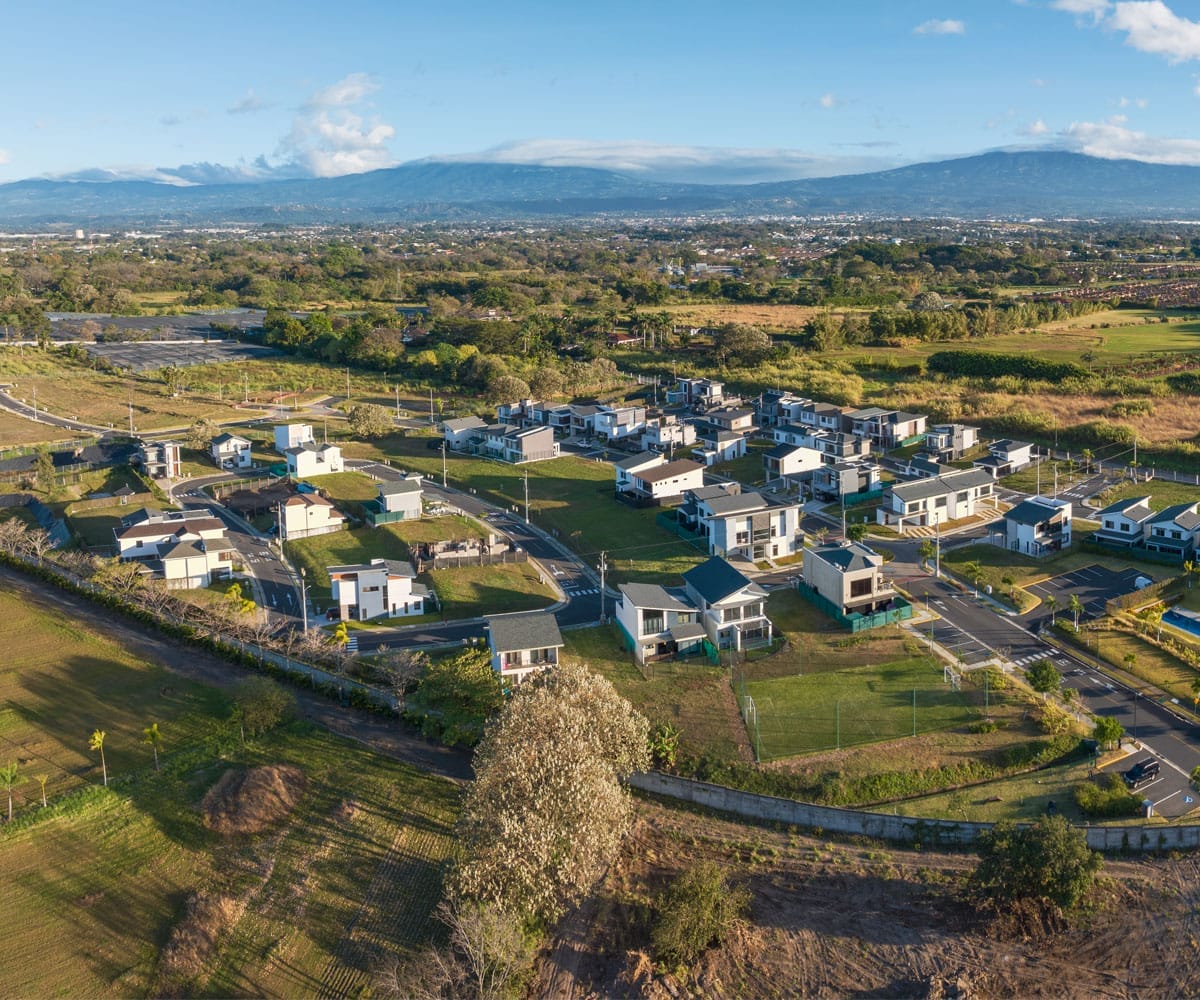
[{"x": 702, "y": 90}]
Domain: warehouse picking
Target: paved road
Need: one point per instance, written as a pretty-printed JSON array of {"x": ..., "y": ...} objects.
[
  {"x": 14, "y": 405},
  {"x": 1167, "y": 736}
]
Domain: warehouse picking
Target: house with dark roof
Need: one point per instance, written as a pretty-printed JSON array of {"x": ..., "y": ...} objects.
[
  {"x": 382, "y": 588},
  {"x": 886, "y": 428},
  {"x": 626, "y": 467},
  {"x": 793, "y": 463},
  {"x": 698, "y": 393},
  {"x": 187, "y": 549},
  {"x": 657, "y": 623},
  {"x": 936, "y": 500},
  {"x": 522, "y": 643},
  {"x": 1173, "y": 531},
  {"x": 398, "y": 500},
  {"x": 516, "y": 445},
  {"x": 1036, "y": 527},
  {"x": 665, "y": 482},
  {"x": 1122, "y": 524},
  {"x": 751, "y": 525},
  {"x": 688, "y": 514},
  {"x": 733, "y": 609},
  {"x": 459, "y": 431},
  {"x": 949, "y": 442},
  {"x": 850, "y": 577},
  {"x": 231, "y": 451},
  {"x": 719, "y": 446},
  {"x": 1006, "y": 457},
  {"x": 846, "y": 478}
]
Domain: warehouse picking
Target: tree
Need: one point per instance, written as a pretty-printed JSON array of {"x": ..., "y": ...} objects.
[
  {"x": 96, "y": 742},
  {"x": 152, "y": 736},
  {"x": 926, "y": 550},
  {"x": 1043, "y": 677},
  {"x": 43, "y": 471},
  {"x": 1048, "y": 861},
  {"x": 664, "y": 744},
  {"x": 8, "y": 781},
  {"x": 172, "y": 378},
  {"x": 260, "y": 704},
  {"x": 548, "y": 776},
  {"x": 41, "y": 780},
  {"x": 1075, "y": 606},
  {"x": 507, "y": 388},
  {"x": 457, "y": 696},
  {"x": 1154, "y": 617},
  {"x": 1086, "y": 456},
  {"x": 369, "y": 420},
  {"x": 1189, "y": 567},
  {"x": 696, "y": 911},
  {"x": 1108, "y": 731},
  {"x": 1130, "y": 660},
  {"x": 856, "y": 532},
  {"x": 200, "y": 434},
  {"x": 740, "y": 344},
  {"x": 974, "y": 573},
  {"x": 1051, "y": 602}
]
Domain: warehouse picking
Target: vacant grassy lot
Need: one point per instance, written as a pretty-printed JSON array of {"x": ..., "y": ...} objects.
[
  {"x": 346, "y": 486},
  {"x": 342, "y": 548},
  {"x": 1155, "y": 666},
  {"x": 693, "y": 696},
  {"x": 95, "y": 883},
  {"x": 749, "y": 468},
  {"x": 470, "y": 591},
  {"x": 1162, "y": 493},
  {"x": 16, "y": 430},
  {"x": 570, "y": 496},
  {"x": 446, "y": 528},
  {"x": 95, "y": 526}
]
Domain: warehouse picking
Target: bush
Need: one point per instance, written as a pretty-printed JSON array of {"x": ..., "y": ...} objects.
[
  {"x": 1048, "y": 861},
  {"x": 1107, "y": 799},
  {"x": 696, "y": 911}
]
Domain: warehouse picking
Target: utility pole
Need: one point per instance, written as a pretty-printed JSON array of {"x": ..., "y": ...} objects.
[
  {"x": 347, "y": 385},
  {"x": 527, "y": 497},
  {"x": 937, "y": 558},
  {"x": 131, "y": 419},
  {"x": 1056, "y": 481},
  {"x": 397, "y": 400},
  {"x": 444, "y": 479},
  {"x": 431, "y": 420},
  {"x": 245, "y": 387},
  {"x": 35, "y": 404},
  {"x": 603, "y": 573},
  {"x": 304, "y": 597}
]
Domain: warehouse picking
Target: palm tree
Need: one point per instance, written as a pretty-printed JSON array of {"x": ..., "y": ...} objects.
[
  {"x": 41, "y": 780},
  {"x": 1189, "y": 567},
  {"x": 8, "y": 779},
  {"x": 97, "y": 743},
  {"x": 152, "y": 736},
  {"x": 1087, "y": 456},
  {"x": 1052, "y": 603},
  {"x": 1196, "y": 692},
  {"x": 926, "y": 551},
  {"x": 1075, "y": 605}
]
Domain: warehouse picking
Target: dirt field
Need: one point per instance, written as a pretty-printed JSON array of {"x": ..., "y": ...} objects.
[{"x": 834, "y": 920}]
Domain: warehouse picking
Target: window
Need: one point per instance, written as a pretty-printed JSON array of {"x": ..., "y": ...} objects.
[
  {"x": 963, "y": 497},
  {"x": 940, "y": 502},
  {"x": 742, "y": 538},
  {"x": 652, "y": 621},
  {"x": 860, "y": 588},
  {"x": 1108, "y": 525}
]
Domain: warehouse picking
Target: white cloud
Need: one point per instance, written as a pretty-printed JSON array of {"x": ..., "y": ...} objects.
[
  {"x": 1115, "y": 142},
  {"x": 329, "y": 137},
  {"x": 1118, "y": 119},
  {"x": 248, "y": 103},
  {"x": 677, "y": 163},
  {"x": 940, "y": 27},
  {"x": 829, "y": 100},
  {"x": 1096, "y": 9},
  {"x": 5, "y": 157},
  {"x": 1151, "y": 26},
  {"x": 1197, "y": 91},
  {"x": 1038, "y": 127}
]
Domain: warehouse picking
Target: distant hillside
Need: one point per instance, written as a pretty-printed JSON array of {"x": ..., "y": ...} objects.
[{"x": 1022, "y": 185}]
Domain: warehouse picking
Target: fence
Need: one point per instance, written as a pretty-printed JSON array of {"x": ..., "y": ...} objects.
[
  {"x": 669, "y": 520},
  {"x": 867, "y": 496},
  {"x": 1136, "y": 553},
  {"x": 818, "y": 710},
  {"x": 453, "y": 560},
  {"x": 899, "y": 612},
  {"x": 907, "y": 830}
]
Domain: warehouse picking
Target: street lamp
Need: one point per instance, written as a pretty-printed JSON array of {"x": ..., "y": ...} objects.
[{"x": 304, "y": 597}]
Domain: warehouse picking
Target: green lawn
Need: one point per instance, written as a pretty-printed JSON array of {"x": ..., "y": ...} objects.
[
  {"x": 342, "y": 548},
  {"x": 95, "y": 526},
  {"x": 446, "y": 528},
  {"x": 829, "y": 709},
  {"x": 570, "y": 496},
  {"x": 692, "y": 695},
  {"x": 1162, "y": 493},
  {"x": 1155, "y": 666},
  {"x": 471, "y": 591},
  {"x": 354, "y": 486},
  {"x": 748, "y": 469},
  {"x": 1030, "y": 480}
]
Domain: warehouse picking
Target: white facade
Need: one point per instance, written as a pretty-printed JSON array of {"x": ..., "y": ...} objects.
[
  {"x": 667, "y": 480},
  {"x": 619, "y": 423},
  {"x": 186, "y": 548},
  {"x": 458, "y": 433},
  {"x": 307, "y": 514},
  {"x": 750, "y": 526},
  {"x": 292, "y": 436},
  {"x": 658, "y": 624},
  {"x": 666, "y": 433},
  {"x": 936, "y": 500},
  {"x": 382, "y": 588},
  {"x": 229, "y": 451},
  {"x": 310, "y": 459}
]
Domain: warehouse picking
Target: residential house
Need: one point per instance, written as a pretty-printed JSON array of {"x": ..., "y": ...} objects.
[
  {"x": 820, "y": 416},
  {"x": 750, "y": 525},
  {"x": 666, "y": 482},
  {"x": 792, "y": 463},
  {"x": 1123, "y": 523},
  {"x": 731, "y": 418},
  {"x": 935, "y": 501},
  {"x": 949, "y": 442},
  {"x": 1006, "y": 457},
  {"x": 382, "y": 588},
  {"x": 886, "y": 428},
  {"x": 288, "y": 436},
  {"x": 459, "y": 432},
  {"x": 846, "y": 478},
  {"x": 187, "y": 549},
  {"x": 667, "y": 433},
  {"x": 1173, "y": 530},
  {"x": 696, "y": 393},
  {"x": 304, "y": 515},
  {"x": 230, "y": 451},
  {"x": 849, "y": 575},
  {"x": 160, "y": 459},
  {"x": 522, "y": 643},
  {"x": 522, "y": 413},
  {"x": 774, "y": 406},
  {"x": 626, "y": 467},
  {"x": 732, "y": 608},
  {"x": 920, "y": 467},
  {"x": 720, "y": 446},
  {"x": 400, "y": 499},
  {"x": 583, "y": 418},
  {"x": 512, "y": 444},
  {"x": 311, "y": 459},
  {"x": 658, "y": 624},
  {"x": 618, "y": 423},
  {"x": 688, "y": 514},
  {"x": 1037, "y": 526}
]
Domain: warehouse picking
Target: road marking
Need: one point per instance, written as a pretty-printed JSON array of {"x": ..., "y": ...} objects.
[{"x": 1165, "y": 797}]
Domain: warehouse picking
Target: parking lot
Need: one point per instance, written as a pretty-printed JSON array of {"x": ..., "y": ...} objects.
[
  {"x": 140, "y": 357},
  {"x": 1095, "y": 586}
]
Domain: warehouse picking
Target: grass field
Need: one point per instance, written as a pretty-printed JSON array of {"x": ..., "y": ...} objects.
[
  {"x": 95, "y": 526},
  {"x": 470, "y": 591},
  {"x": 95, "y": 883},
  {"x": 571, "y": 496},
  {"x": 1162, "y": 493},
  {"x": 1153, "y": 665},
  {"x": 339, "y": 549},
  {"x": 692, "y": 696},
  {"x": 16, "y": 430},
  {"x": 830, "y": 709}
]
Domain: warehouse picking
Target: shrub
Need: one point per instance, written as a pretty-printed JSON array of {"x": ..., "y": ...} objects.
[
  {"x": 696, "y": 911},
  {"x": 1048, "y": 861},
  {"x": 1107, "y": 799}
]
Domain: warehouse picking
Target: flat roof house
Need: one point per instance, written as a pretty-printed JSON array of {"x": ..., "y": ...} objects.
[
  {"x": 382, "y": 588},
  {"x": 849, "y": 576},
  {"x": 732, "y": 607},
  {"x": 160, "y": 459},
  {"x": 657, "y": 624},
  {"x": 522, "y": 643},
  {"x": 616, "y": 423},
  {"x": 846, "y": 478},
  {"x": 668, "y": 432},
  {"x": 512, "y": 444},
  {"x": 949, "y": 442},
  {"x": 1037, "y": 526}
]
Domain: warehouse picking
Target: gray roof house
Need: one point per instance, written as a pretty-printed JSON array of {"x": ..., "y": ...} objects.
[{"x": 522, "y": 643}]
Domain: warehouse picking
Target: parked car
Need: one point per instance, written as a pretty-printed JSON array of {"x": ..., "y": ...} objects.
[{"x": 1142, "y": 772}]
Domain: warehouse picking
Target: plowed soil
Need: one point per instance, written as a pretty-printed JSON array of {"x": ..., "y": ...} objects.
[{"x": 838, "y": 920}]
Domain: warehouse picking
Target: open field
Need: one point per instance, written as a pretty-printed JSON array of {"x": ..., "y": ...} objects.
[
  {"x": 95, "y": 527},
  {"x": 444, "y": 528},
  {"x": 1157, "y": 667},
  {"x": 693, "y": 696},
  {"x": 569, "y": 495},
  {"x": 1162, "y": 493},
  {"x": 96, "y": 882},
  {"x": 471, "y": 591},
  {"x": 786, "y": 318},
  {"x": 337, "y": 486},
  {"x": 16, "y": 430}
]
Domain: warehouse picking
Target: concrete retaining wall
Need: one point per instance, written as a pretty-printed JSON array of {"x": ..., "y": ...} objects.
[{"x": 906, "y": 830}]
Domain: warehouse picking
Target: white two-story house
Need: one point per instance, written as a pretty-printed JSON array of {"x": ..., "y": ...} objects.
[
  {"x": 231, "y": 451},
  {"x": 382, "y": 588},
  {"x": 1123, "y": 523},
  {"x": 750, "y": 525},
  {"x": 936, "y": 500},
  {"x": 1037, "y": 526},
  {"x": 658, "y": 624},
  {"x": 849, "y": 576},
  {"x": 309, "y": 459},
  {"x": 522, "y": 643},
  {"x": 733, "y": 609},
  {"x": 305, "y": 515}
]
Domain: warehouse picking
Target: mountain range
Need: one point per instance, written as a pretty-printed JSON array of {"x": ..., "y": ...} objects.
[{"x": 1043, "y": 184}]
